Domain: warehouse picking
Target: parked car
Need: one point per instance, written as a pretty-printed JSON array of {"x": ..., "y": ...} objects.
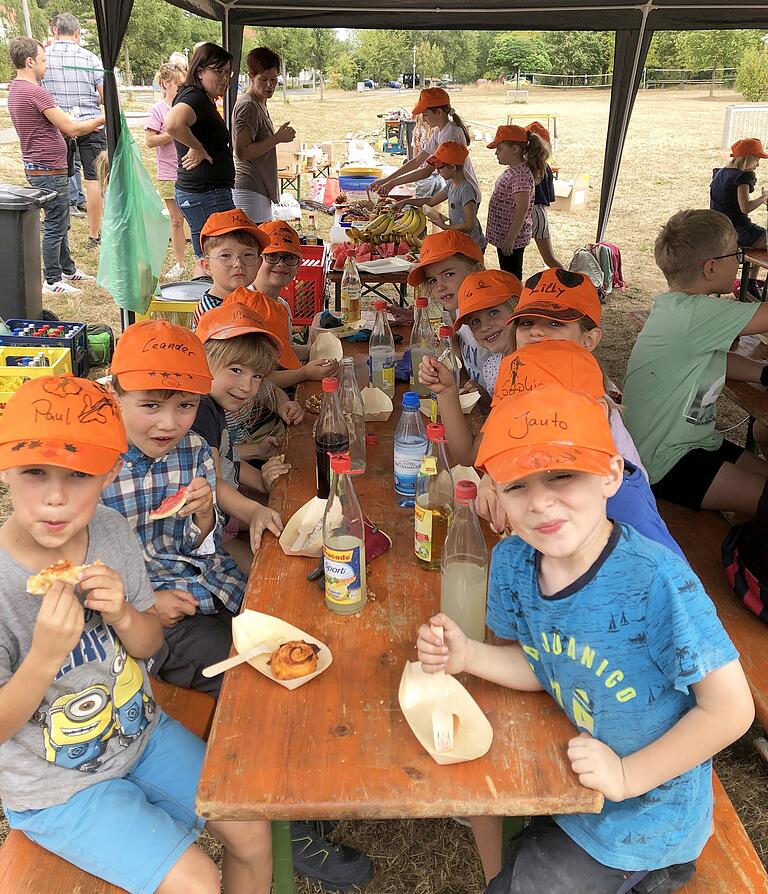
[
  {"x": 369, "y": 84},
  {"x": 395, "y": 85}
]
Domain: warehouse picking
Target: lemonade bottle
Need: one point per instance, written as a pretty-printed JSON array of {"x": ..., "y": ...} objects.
[
  {"x": 343, "y": 542},
  {"x": 434, "y": 501}
]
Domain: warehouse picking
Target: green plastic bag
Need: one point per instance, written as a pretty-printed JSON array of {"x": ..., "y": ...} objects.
[{"x": 134, "y": 230}]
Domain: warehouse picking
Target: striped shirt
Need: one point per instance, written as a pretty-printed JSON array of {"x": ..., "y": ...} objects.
[
  {"x": 42, "y": 143},
  {"x": 72, "y": 78},
  {"x": 502, "y": 206},
  {"x": 170, "y": 553}
]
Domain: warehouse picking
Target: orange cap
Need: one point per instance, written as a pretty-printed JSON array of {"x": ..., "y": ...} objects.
[
  {"x": 273, "y": 316},
  {"x": 231, "y": 320},
  {"x": 282, "y": 238},
  {"x": 157, "y": 355},
  {"x": 509, "y": 133},
  {"x": 486, "y": 288},
  {"x": 748, "y": 146},
  {"x": 222, "y": 222},
  {"x": 442, "y": 245},
  {"x": 449, "y": 153},
  {"x": 62, "y": 421},
  {"x": 431, "y": 98},
  {"x": 559, "y": 294},
  {"x": 550, "y": 428},
  {"x": 538, "y": 128},
  {"x": 545, "y": 362}
]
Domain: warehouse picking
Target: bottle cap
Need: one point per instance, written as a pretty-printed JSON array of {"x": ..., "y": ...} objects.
[
  {"x": 410, "y": 400},
  {"x": 330, "y": 384},
  {"x": 465, "y": 490},
  {"x": 380, "y": 304},
  {"x": 341, "y": 463},
  {"x": 435, "y": 431},
  {"x": 422, "y": 302},
  {"x": 446, "y": 331},
  {"x": 371, "y": 439}
]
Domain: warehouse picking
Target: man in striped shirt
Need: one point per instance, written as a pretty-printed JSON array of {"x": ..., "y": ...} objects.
[{"x": 41, "y": 126}]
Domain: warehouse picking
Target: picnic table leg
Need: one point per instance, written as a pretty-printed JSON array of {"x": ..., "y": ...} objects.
[
  {"x": 282, "y": 858},
  {"x": 510, "y": 827},
  {"x": 750, "y": 443},
  {"x": 403, "y": 289},
  {"x": 744, "y": 280}
]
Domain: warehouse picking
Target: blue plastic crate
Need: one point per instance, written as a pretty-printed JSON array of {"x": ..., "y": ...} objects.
[
  {"x": 355, "y": 184},
  {"x": 77, "y": 342}
]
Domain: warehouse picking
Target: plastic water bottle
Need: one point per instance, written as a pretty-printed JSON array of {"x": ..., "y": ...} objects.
[
  {"x": 352, "y": 407},
  {"x": 434, "y": 501},
  {"x": 422, "y": 344},
  {"x": 351, "y": 290},
  {"x": 381, "y": 351},
  {"x": 410, "y": 446},
  {"x": 343, "y": 542},
  {"x": 464, "y": 580}
]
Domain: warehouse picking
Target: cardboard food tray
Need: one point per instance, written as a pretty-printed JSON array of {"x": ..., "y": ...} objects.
[
  {"x": 378, "y": 405},
  {"x": 326, "y": 347}
]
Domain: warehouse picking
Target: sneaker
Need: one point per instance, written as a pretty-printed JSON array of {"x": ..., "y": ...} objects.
[
  {"x": 174, "y": 272},
  {"x": 334, "y": 867},
  {"x": 93, "y": 242},
  {"x": 78, "y": 276},
  {"x": 54, "y": 288},
  {"x": 74, "y": 211},
  {"x": 82, "y": 207}
]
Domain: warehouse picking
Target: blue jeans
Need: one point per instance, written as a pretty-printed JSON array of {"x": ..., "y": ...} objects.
[
  {"x": 56, "y": 256},
  {"x": 76, "y": 194},
  {"x": 197, "y": 207}
]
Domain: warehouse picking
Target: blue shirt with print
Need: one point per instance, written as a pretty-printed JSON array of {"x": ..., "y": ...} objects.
[{"x": 618, "y": 650}]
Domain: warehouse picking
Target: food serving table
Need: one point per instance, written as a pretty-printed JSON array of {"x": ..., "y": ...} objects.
[
  {"x": 339, "y": 746},
  {"x": 372, "y": 284}
]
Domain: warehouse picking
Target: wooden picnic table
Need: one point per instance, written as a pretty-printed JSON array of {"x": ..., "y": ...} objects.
[
  {"x": 372, "y": 284},
  {"x": 339, "y": 746},
  {"x": 752, "y": 259}
]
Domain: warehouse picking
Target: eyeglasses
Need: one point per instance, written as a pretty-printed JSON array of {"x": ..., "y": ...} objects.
[
  {"x": 568, "y": 278},
  {"x": 739, "y": 254},
  {"x": 222, "y": 74},
  {"x": 272, "y": 258},
  {"x": 227, "y": 259}
]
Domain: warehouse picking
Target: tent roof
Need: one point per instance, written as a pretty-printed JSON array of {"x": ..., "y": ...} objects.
[{"x": 596, "y": 15}]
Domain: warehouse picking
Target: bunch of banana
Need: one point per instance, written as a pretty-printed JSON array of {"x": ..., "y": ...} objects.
[{"x": 393, "y": 226}]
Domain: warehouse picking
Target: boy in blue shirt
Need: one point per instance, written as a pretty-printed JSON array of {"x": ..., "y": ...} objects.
[{"x": 622, "y": 635}]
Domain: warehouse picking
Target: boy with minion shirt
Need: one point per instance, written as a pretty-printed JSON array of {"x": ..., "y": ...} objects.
[{"x": 622, "y": 635}]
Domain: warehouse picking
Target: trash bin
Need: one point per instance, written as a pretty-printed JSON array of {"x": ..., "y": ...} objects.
[{"x": 21, "y": 296}]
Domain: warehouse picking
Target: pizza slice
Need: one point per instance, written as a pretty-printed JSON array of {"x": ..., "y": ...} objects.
[{"x": 39, "y": 584}]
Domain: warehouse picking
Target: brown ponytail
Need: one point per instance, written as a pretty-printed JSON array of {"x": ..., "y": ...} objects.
[
  {"x": 459, "y": 123},
  {"x": 536, "y": 155}
]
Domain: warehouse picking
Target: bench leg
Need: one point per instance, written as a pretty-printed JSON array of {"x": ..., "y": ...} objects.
[
  {"x": 511, "y": 826},
  {"x": 761, "y": 746},
  {"x": 750, "y": 443},
  {"x": 282, "y": 858},
  {"x": 744, "y": 281}
]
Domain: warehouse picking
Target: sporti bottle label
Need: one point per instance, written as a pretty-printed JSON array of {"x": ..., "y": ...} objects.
[
  {"x": 388, "y": 376},
  {"x": 428, "y": 465},
  {"x": 422, "y": 541},
  {"x": 342, "y": 576}
]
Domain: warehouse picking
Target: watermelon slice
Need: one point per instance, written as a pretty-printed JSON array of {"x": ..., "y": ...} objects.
[{"x": 170, "y": 505}]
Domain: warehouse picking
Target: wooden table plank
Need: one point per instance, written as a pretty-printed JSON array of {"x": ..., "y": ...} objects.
[
  {"x": 339, "y": 747},
  {"x": 371, "y": 283}
]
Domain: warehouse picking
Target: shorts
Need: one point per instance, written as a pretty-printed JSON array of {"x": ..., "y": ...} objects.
[
  {"x": 197, "y": 207},
  {"x": 167, "y": 189},
  {"x": 540, "y": 220},
  {"x": 751, "y": 235},
  {"x": 91, "y": 145},
  {"x": 129, "y": 831},
  {"x": 687, "y": 482},
  {"x": 257, "y": 206},
  {"x": 544, "y": 860}
]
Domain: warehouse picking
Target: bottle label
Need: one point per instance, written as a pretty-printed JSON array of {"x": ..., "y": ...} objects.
[
  {"x": 407, "y": 467},
  {"x": 342, "y": 576},
  {"x": 422, "y": 541},
  {"x": 428, "y": 465}
]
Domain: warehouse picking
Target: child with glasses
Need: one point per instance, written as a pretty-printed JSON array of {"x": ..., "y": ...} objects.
[{"x": 679, "y": 364}]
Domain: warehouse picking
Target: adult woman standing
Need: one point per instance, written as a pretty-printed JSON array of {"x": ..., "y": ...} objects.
[
  {"x": 255, "y": 139},
  {"x": 434, "y": 104},
  {"x": 206, "y": 170}
]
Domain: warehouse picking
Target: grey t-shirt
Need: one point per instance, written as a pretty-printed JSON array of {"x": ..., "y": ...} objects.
[
  {"x": 93, "y": 723},
  {"x": 458, "y": 196},
  {"x": 258, "y": 174}
]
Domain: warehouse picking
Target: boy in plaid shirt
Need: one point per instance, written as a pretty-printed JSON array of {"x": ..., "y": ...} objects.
[{"x": 159, "y": 373}]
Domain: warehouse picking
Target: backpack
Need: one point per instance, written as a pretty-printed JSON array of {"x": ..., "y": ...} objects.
[
  {"x": 743, "y": 582},
  {"x": 584, "y": 261},
  {"x": 617, "y": 279},
  {"x": 101, "y": 344}
]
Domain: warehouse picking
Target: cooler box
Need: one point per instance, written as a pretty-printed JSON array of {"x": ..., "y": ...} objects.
[{"x": 306, "y": 294}]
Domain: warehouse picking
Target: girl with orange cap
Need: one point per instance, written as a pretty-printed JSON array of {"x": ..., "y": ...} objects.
[
  {"x": 509, "y": 225},
  {"x": 435, "y": 105},
  {"x": 543, "y": 196},
  {"x": 730, "y": 192}
]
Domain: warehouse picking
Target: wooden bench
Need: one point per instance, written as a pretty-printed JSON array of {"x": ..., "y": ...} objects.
[
  {"x": 700, "y": 536},
  {"x": 27, "y": 868}
]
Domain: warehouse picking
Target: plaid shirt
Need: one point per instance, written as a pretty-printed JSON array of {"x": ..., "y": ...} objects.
[
  {"x": 72, "y": 77},
  {"x": 172, "y": 560}
]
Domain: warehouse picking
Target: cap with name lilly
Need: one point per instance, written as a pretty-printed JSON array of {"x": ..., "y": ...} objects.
[
  {"x": 62, "y": 421},
  {"x": 547, "y": 429},
  {"x": 158, "y": 355},
  {"x": 484, "y": 289},
  {"x": 558, "y": 294},
  {"x": 552, "y": 361}
]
